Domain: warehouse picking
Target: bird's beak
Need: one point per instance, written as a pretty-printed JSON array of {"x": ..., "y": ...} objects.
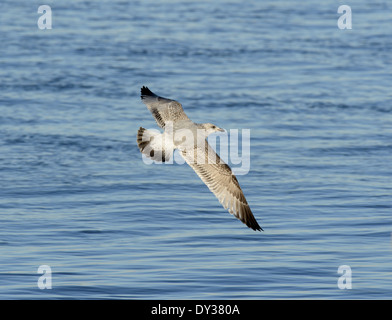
[{"x": 221, "y": 130}]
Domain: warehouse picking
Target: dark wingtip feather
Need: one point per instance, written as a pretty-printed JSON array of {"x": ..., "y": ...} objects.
[
  {"x": 251, "y": 221},
  {"x": 255, "y": 226},
  {"x": 146, "y": 92}
]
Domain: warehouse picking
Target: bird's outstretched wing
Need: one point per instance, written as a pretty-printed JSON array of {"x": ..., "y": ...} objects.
[
  {"x": 162, "y": 109},
  {"x": 221, "y": 181}
]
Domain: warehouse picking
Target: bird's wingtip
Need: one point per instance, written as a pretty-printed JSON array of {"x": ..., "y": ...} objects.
[
  {"x": 146, "y": 92},
  {"x": 257, "y": 228}
]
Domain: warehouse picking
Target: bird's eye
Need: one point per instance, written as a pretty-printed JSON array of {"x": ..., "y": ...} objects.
[{"x": 213, "y": 127}]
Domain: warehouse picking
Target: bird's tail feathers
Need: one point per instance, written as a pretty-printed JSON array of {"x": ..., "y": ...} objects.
[{"x": 152, "y": 145}]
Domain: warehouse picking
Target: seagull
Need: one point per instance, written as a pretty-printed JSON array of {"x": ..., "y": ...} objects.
[{"x": 190, "y": 139}]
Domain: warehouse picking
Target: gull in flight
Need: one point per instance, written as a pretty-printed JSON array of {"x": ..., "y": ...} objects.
[{"x": 189, "y": 138}]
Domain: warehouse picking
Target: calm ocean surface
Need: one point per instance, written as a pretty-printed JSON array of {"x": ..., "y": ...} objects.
[{"x": 75, "y": 194}]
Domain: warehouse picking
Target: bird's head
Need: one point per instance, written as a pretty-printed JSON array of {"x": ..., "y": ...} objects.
[{"x": 211, "y": 128}]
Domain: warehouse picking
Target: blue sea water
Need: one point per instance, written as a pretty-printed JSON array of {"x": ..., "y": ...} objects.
[{"x": 75, "y": 194}]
